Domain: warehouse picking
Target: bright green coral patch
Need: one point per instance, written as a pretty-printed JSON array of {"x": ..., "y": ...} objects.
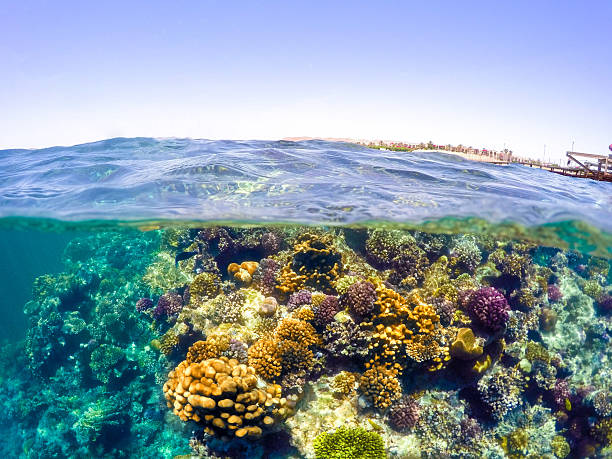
[{"x": 349, "y": 443}]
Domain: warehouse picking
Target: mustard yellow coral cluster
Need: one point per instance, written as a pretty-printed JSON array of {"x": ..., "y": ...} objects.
[
  {"x": 212, "y": 347},
  {"x": 223, "y": 395},
  {"x": 381, "y": 385},
  {"x": 315, "y": 263},
  {"x": 287, "y": 351},
  {"x": 406, "y": 327}
]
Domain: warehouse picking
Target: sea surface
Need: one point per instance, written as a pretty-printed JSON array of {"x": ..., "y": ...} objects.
[{"x": 371, "y": 293}]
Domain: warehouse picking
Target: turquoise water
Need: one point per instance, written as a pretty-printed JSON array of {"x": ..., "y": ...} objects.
[{"x": 433, "y": 306}]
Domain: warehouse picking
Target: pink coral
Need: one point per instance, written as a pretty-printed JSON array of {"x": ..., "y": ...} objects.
[{"x": 489, "y": 308}]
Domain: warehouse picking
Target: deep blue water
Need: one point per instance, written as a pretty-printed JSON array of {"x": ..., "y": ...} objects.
[{"x": 302, "y": 182}]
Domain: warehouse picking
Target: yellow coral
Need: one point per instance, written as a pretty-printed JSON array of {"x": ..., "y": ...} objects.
[
  {"x": 465, "y": 346},
  {"x": 381, "y": 386},
  {"x": 264, "y": 358},
  {"x": 406, "y": 327},
  {"x": 167, "y": 343},
  {"x": 304, "y": 313},
  {"x": 214, "y": 345},
  {"x": 344, "y": 383},
  {"x": 203, "y": 287},
  {"x": 296, "y": 330},
  {"x": 223, "y": 395}
]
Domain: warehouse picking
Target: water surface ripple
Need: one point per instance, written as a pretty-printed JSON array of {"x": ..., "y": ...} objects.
[{"x": 269, "y": 181}]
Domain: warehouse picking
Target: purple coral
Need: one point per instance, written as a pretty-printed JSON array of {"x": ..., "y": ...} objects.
[
  {"x": 359, "y": 299},
  {"x": 554, "y": 293},
  {"x": 144, "y": 304},
  {"x": 325, "y": 312},
  {"x": 169, "y": 303},
  {"x": 489, "y": 307},
  {"x": 265, "y": 275},
  {"x": 270, "y": 243},
  {"x": 444, "y": 308},
  {"x": 470, "y": 429},
  {"x": 404, "y": 414},
  {"x": 298, "y": 299},
  {"x": 605, "y": 304},
  {"x": 561, "y": 393}
]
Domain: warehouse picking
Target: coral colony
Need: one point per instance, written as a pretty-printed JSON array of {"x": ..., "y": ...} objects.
[{"x": 305, "y": 342}]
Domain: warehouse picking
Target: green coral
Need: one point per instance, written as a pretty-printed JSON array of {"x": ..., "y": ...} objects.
[
  {"x": 349, "y": 443},
  {"x": 560, "y": 447},
  {"x": 105, "y": 360},
  {"x": 163, "y": 275}
]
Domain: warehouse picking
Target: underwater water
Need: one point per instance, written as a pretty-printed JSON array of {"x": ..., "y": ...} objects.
[{"x": 180, "y": 298}]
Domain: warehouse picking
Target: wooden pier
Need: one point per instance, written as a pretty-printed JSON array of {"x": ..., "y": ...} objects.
[{"x": 595, "y": 167}]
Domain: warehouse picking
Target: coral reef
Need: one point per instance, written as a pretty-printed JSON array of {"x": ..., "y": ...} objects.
[{"x": 312, "y": 342}]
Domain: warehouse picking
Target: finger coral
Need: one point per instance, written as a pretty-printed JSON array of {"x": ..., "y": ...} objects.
[
  {"x": 406, "y": 328},
  {"x": 224, "y": 397},
  {"x": 381, "y": 386}
]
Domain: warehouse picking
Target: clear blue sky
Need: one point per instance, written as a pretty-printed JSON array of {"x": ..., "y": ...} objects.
[{"x": 520, "y": 73}]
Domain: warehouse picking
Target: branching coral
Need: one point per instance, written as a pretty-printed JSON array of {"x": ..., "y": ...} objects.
[
  {"x": 407, "y": 328},
  {"x": 315, "y": 263},
  {"x": 325, "y": 312},
  {"x": 265, "y": 275},
  {"x": 169, "y": 304},
  {"x": 489, "y": 307},
  {"x": 502, "y": 391},
  {"x": 298, "y": 299},
  {"x": 204, "y": 286},
  {"x": 344, "y": 383},
  {"x": 359, "y": 300},
  {"x": 349, "y": 443},
  {"x": 404, "y": 414},
  {"x": 398, "y": 251},
  {"x": 381, "y": 385}
]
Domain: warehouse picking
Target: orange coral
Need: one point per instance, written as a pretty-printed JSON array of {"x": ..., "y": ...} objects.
[
  {"x": 381, "y": 386},
  {"x": 264, "y": 358},
  {"x": 406, "y": 327},
  {"x": 287, "y": 352},
  {"x": 297, "y": 331},
  {"x": 223, "y": 395},
  {"x": 243, "y": 271},
  {"x": 212, "y": 347}
]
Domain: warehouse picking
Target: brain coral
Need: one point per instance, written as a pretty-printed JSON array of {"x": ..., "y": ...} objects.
[
  {"x": 489, "y": 308},
  {"x": 349, "y": 443},
  {"x": 223, "y": 395}
]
